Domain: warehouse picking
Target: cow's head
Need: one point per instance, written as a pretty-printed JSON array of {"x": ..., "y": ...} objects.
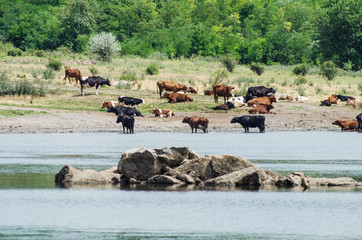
[
  {"x": 106, "y": 104},
  {"x": 154, "y": 111},
  {"x": 108, "y": 82},
  {"x": 121, "y": 99},
  {"x": 234, "y": 120},
  {"x": 191, "y": 90},
  {"x": 273, "y": 99},
  {"x": 337, "y": 122},
  {"x": 186, "y": 119},
  {"x": 272, "y": 90}
]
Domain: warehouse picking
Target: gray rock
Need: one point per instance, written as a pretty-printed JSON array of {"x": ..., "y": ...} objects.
[
  {"x": 296, "y": 179},
  {"x": 142, "y": 163},
  {"x": 71, "y": 175},
  {"x": 247, "y": 177},
  {"x": 163, "y": 180},
  {"x": 331, "y": 182}
]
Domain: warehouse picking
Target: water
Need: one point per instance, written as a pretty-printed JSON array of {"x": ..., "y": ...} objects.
[{"x": 32, "y": 207}]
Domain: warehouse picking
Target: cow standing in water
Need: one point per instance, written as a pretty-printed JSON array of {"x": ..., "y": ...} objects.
[{"x": 93, "y": 81}]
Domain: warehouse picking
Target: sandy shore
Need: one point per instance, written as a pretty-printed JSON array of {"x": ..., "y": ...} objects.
[{"x": 288, "y": 116}]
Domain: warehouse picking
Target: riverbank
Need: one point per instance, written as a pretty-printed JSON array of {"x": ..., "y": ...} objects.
[{"x": 288, "y": 116}]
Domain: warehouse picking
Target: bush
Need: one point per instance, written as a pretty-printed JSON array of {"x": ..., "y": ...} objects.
[
  {"x": 54, "y": 64},
  {"x": 328, "y": 70},
  {"x": 300, "y": 80},
  {"x": 229, "y": 62},
  {"x": 15, "y": 52},
  {"x": 160, "y": 56},
  {"x": 105, "y": 45},
  {"x": 48, "y": 74},
  {"x": 152, "y": 69},
  {"x": 93, "y": 70},
  {"x": 218, "y": 76},
  {"x": 257, "y": 68},
  {"x": 23, "y": 87},
  {"x": 39, "y": 53},
  {"x": 128, "y": 76},
  {"x": 301, "y": 69}
]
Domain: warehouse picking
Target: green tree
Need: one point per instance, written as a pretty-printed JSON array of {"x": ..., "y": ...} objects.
[{"x": 105, "y": 45}]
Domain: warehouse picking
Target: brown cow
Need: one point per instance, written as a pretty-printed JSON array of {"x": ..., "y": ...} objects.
[
  {"x": 347, "y": 125},
  {"x": 177, "y": 97},
  {"x": 191, "y": 90},
  {"x": 170, "y": 86},
  {"x": 221, "y": 90},
  {"x": 108, "y": 104},
  {"x": 262, "y": 109},
  {"x": 262, "y": 101},
  {"x": 195, "y": 122},
  {"x": 72, "y": 73},
  {"x": 162, "y": 112},
  {"x": 209, "y": 92},
  {"x": 333, "y": 99}
]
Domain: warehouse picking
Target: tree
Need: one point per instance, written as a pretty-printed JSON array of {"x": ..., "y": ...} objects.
[{"x": 105, "y": 45}]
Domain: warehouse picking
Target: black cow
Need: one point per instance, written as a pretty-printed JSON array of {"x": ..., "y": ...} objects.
[
  {"x": 345, "y": 98},
  {"x": 359, "y": 121},
  {"x": 260, "y": 91},
  {"x": 130, "y": 100},
  {"x": 248, "y": 121},
  {"x": 93, "y": 81},
  {"x": 127, "y": 122},
  {"x": 227, "y": 106},
  {"x": 325, "y": 103},
  {"x": 126, "y": 110}
]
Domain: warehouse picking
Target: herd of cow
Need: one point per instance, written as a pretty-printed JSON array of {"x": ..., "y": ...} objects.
[{"x": 260, "y": 99}]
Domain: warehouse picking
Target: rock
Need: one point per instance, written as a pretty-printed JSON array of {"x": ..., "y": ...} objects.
[
  {"x": 331, "y": 182},
  {"x": 209, "y": 167},
  {"x": 248, "y": 177},
  {"x": 293, "y": 180},
  {"x": 142, "y": 163},
  {"x": 271, "y": 177},
  {"x": 163, "y": 180},
  {"x": 71, "y": 175}
]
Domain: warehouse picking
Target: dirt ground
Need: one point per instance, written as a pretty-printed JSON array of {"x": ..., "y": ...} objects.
[{"x": 288, "y": 116}]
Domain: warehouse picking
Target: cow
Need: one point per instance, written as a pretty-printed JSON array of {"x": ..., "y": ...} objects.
[
  {"x": 333, "y": 99},
  {"x": 108, "y": 104},
  {"x": 248, "y": 121},
  {"x": 222, "y": 90},
  {"x": 359, "y": 121},
  {"x": 196, "y": 122},
  {"x": 209, "y": 92},
  {"x": 262, "y": 109},
  {"x": 170, "y": 86},
  {"x": 260, "y": 91},
  {"x": 126, "y": 110},
  {"x": 72, "y": 73},
  {"x": 227, "y": 106},
  {"x": 262, "y": 101},
  {"x": 345, "y": 98},
  {"x": 325, "y": 103},
  {"x": 347, "y": 125},
  {"x": 301, "y": 99},
  {"x": 237, "y": 101},
  {"x": 357, "y": 104},
  {"x": 93, "y": 81},
  {"x": 127, "y": 122},
  {"x": 162, "y": 112},
  {"x": 177, "y": 97},
  {"x": 191, "y": 90},
  {"x": 285, "y": 96},
  {"x": 131, "y": 100}
]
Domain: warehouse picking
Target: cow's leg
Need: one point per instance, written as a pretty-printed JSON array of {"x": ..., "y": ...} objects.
[
  {"x": 81, "y": 89},
  {"x": 97, "y": 89},
  {"x": 215, "y": 98},
  {"x": 160, "y": 92}
]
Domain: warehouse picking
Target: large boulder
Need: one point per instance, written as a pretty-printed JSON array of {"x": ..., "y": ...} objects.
[
  {"x": 211, "y": 166},
  {"x": 295, "y": 179},
  {"x": 142, "y": 163},
  {"x": 247, "y": 177},
  {"x": 69, "y": 175}
]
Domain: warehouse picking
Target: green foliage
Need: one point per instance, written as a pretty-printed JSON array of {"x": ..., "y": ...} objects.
[
  {"x": 152, "y": 69},
  {"x": 93, "y": 70},
  {"x": 257, "y": 68},
  {"x": 329, "y": 70},
  {"x": 301, "y": 69},
  {"x": 105, "y": 45},
  {"x": 128, "y": 76},
  {"x": 15, "y": 52},
  {"x": 228, "y": 61},
  {"x": 19, "y": 88},
  {"x": 54, "y": 64},
  {"x": 348, "y": 66},
  {"x": 218, "y": 77},
  {"x": 300, "y": 80},
  {"x": 359, "y": 86},
  {"x": 48, "y": 74}
]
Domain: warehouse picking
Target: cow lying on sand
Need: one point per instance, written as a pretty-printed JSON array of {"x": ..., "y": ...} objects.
[
  {"x": 225, "y": 107},
  {"x": 262, "y": 109},
  {"x": 347, "y": 125},
  {"x": 262, "y": 101},
  {"x": 248, "y": 121},
  {"x": 195, "y": 122},
  {"x": 177, "y": 97}
]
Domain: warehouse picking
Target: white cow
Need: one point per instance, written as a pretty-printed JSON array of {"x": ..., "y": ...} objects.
[
  {"x": 284, "y": 96},
  {"x": 301, "y": 98},
  {"x": 237, "y": 101},
  {"x": 357, "y": 104}
]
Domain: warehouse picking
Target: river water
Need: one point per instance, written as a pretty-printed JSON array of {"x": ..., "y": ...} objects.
[{"x": 32, "y": 207}]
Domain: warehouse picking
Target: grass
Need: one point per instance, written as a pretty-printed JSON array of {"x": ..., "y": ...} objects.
[{"x": 18, "y": 113}]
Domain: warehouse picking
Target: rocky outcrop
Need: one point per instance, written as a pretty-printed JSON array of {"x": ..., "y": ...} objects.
[
  {"x": 69, "y": 175},
  {"x": 182, "y": 167}
]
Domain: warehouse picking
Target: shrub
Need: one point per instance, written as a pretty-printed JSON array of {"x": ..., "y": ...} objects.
[
  {"x": 328, "y": 70},
  {"x": 128, "y": 76},
  {"x": 15, "y": 52},
  {"x": 23, "y": 87},
  {"x": 301, "y": 69},
  {"x": 348, "y": 65},
  {"x": 229, "y": 62},
  {"x": 93, "y": 70},
  {"x": 160, "y": 56},
  {"x": 218, "y": 76},
  {"x": 48, "y": 74},
  {"x": 359, "y": 87},
  {"x": 257, "y": 68},
  {"x": 300, "y": 80},
  {"x": 105, "y": 45},
  {"x": 152, "y": 69},
  {"x": 39, "y": 53},
  {"x": 54, "y": 64}
]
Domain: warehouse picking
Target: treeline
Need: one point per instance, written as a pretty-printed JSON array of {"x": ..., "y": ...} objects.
[{"x": 267, "y": 31}]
